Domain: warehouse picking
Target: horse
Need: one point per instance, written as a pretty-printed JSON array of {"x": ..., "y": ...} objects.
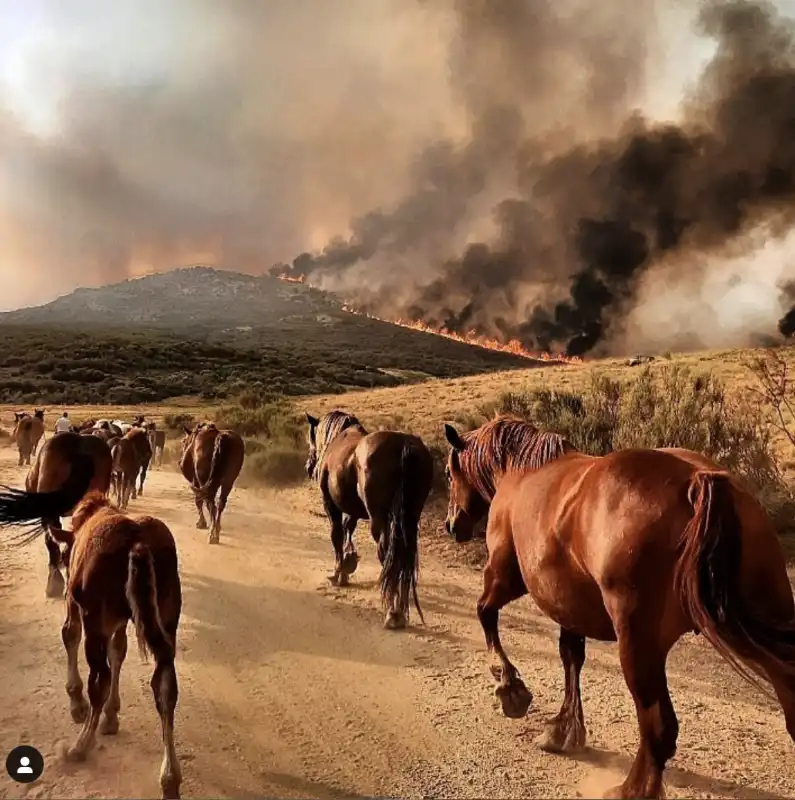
[
  {"x": 640, "y": 547},
  {"x": 106, "y": 428},
  {"x": 157, "y": 441},
  {"x": 27, "y": 433},
  {"x": 211, "y": 462},
  {"x": 121, "y": 568},
  {"x": 384, "y": 477},
  {"x": 74, "y": 464},
  {"x": 131, "y": 456}
]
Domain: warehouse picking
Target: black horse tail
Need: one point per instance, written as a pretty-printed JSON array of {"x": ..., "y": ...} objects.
[
  {"x": 31, "y": 509},
  {"x": 401, "y": 563},
  {"x": 205, "y": 489}
]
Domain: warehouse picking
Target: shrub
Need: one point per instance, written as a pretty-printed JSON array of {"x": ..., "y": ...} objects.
[
  {"x": 178, "y": 421},
  {"x": 279, "y": 465},
  {"x": 277, "y": 419}
]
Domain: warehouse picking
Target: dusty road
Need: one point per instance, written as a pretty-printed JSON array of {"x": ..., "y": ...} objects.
[{"x": 289, "y": 687}]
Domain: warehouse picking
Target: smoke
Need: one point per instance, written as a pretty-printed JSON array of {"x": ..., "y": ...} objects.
[
  {"x": 502, "y": 167},
  {"x": 143, "y": 135},
  {"x": 589, "y": 211}
]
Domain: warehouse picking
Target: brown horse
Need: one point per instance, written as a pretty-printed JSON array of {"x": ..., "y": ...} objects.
[
  {"x": 120, "y": 568},
  {"x": 27, "y": 434},
  {"x": 211, "y": 462},
  {"x": 384, "y": 477},
  {"x": 74, "y": 464},
  {"x": 131, "y": 456},
  {"x": 157, "y": 441},
  {"x": 638, "y": 546}
]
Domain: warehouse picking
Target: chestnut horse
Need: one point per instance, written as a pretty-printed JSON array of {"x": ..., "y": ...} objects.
[
  {"x": 384, "y": 477},
  {"x": 75, "y": 464},
  {"x": 131, "y": 456},
  {"x": 120, "y": 568},
  {"x": 211, "y": 462},
  {"x": 639, "y": 547}
]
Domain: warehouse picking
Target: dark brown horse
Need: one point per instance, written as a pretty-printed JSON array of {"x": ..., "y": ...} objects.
[
  {"x": 157, "y": 441},
  {"x": 384, "y": 477},
  {"x": 639, "y": 546},
  {"x": 211, "y": 462},
  {"x": 131, "y": 456},
  {"x": 120, "y": 568},
  {"x": 73, "y": 464}
]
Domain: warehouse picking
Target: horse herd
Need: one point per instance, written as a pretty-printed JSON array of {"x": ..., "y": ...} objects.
[{"x": 639, "y": 546}]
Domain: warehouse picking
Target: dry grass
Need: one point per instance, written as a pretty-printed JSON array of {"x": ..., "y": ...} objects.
[{"x": 423, "y": 407}]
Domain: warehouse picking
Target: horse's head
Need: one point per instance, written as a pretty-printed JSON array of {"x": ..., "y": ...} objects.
[
  {"x": 39, "y": 413},
  {"x": 311, "y": 459},
  {"x": 466, "y": 506}
]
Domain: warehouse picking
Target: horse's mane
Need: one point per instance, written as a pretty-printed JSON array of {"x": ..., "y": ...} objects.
[
  {"x": 91, "y": 503},
  {"x": 331, "y": 426},
  {"x": 507, "y": 444}
]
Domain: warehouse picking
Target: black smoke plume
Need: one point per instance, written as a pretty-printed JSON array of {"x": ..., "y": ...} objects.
[{"x": 586, "y": 213}]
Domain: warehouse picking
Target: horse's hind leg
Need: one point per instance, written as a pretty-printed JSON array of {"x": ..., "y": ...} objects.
[
  {"x": 212, "y": 508},
  {"x": 99, "y": 680},
  {"x": 502, "y": 584},
  {"x": 144, "y": 469},
  {"x": 350, "y": 558},
  {"x": 201, "y": 522},
  {"x": 118, "y": 652},
  {"x": 55, "y": 582},
  {"x": 71, "y": 633},
  {"x": 643, "y": 663},
  {"x": 166, "y": 692},
  {"x": 566, "y": 731}
]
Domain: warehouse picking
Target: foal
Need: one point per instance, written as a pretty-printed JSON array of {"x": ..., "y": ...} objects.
[{"x": 120, "y": 568}]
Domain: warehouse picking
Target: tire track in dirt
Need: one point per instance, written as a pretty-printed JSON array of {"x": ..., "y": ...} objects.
[{"x": 291, "y": 687}]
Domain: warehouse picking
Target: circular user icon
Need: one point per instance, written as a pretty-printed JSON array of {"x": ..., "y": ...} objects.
[{"x": 25, "y": 764}]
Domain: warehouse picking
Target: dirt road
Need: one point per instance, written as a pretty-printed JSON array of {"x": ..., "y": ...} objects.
[{"x": 289, "y": 687}]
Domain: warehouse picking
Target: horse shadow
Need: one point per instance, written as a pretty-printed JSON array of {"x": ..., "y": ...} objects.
[{"x": 679, "y": 777}]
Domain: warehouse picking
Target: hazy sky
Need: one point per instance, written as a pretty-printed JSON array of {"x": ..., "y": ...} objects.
[{"x": 141, "y": 135}]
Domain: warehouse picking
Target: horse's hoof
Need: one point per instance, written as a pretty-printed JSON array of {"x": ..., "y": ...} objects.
[
  {"x": 201, "y": 525},
  {"x": 74, "y": 754},
  {"x": 55, "y": 584},
  {"x": 213, "y": 539},
  {"x": 395, "y": 621},
  {"x": 109, "y": 725},
  {"x": 79, "y": 711},
  {"x": 169, "y": 788},
  {"x": 560, "y": 737},
  {"x": 515, "y": 698},
  {"x": 350, "y": 561}
]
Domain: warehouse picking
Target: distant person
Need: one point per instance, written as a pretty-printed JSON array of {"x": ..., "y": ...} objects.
[{"x": 62, "y": 424}]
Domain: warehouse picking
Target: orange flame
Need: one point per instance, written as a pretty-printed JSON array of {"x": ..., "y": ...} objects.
[{"x": 513, "y": 347}]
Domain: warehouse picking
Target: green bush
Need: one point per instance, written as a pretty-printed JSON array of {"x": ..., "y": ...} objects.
[
  {"x": 277, "y": 419},
  {"x": 279, "y": 464}
]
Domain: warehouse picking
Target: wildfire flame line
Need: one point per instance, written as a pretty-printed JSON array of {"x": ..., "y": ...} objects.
[{"x": 513, "y": 347}]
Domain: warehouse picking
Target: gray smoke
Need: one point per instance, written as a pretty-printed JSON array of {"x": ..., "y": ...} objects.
[{"x": 594, "y": 213}]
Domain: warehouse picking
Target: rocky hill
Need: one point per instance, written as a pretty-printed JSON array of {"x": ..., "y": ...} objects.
[{"x": 202, "y": 331}]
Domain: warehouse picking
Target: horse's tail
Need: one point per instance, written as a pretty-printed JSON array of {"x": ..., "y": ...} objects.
[
  {"x": 401, "y": 565},
  {"x": 141, "y": 591},
  {"x": 30, "y": 509},
  {"x": 205, "y": 488},
  {"x": 708, "y": 581}
]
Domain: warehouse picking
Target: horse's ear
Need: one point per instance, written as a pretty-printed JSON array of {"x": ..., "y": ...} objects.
[
  {"x": 454, "y": 438},
  {"x": 313, "y": 421},
  {"x": 187, "y": 430}
]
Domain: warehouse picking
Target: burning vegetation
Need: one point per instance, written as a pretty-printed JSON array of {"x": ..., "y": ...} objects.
[{"x": 513, "y": 346}]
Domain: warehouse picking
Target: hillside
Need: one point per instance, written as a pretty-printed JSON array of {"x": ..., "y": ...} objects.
[{"x": 212, "y": 333}]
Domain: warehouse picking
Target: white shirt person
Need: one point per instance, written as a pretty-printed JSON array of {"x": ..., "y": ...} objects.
[{"x": 63, "y": 424}]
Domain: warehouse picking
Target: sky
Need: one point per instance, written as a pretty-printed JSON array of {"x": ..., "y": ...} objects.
[{"x": 143, "y": 135}]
